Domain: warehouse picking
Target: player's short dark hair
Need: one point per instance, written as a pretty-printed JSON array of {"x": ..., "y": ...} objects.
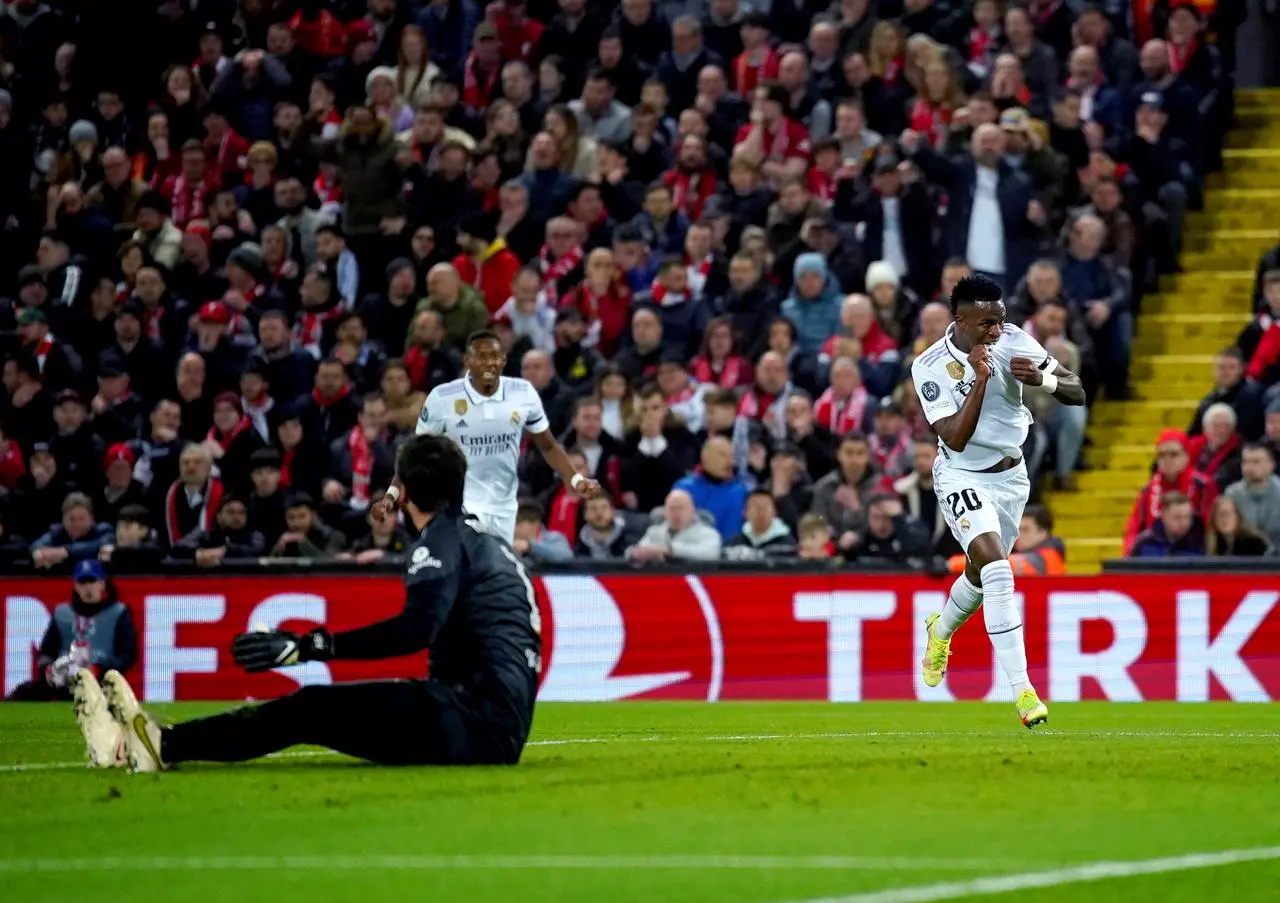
[
  {"x": 975, "y": 289},
  {"x": 1041, "y": 515},
  {"x": 432, "y": 469},
  {"x": 481, "y": 335}
]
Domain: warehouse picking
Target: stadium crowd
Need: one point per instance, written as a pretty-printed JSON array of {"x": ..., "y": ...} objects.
[{"x": 713, "y": 235}]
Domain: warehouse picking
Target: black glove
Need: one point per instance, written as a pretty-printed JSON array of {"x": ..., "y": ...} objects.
[{"x": 264, "y": 650}]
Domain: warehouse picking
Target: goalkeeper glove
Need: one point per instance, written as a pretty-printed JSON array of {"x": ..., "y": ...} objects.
[{"x": 264, "y": 650}]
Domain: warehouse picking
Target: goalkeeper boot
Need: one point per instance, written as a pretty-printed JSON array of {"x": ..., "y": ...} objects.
[
  {"x": 1030, "y": 709},
  {"x": 103, "y": 737},
  {"x": 141, "y": 732},
  {"x": 934, "y": 664}
]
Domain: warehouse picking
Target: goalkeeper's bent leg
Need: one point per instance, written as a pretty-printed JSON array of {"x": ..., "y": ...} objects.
[{"x": 389, "y": 722}]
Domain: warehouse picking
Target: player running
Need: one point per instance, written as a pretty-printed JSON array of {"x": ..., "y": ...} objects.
[
  {"x": 970, "y": 387},
  {"x": 487, "y": 414},
  {"x": 467, "y": 599}
]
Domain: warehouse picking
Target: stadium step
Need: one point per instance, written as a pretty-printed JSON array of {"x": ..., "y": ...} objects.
[
  {"x": 1195, "y": 327},
  {"x": 1150, "y": 415},
  {"x": 1173, "y": 368},
  {"x": 1251, "y": 161},
  {"x": 1124, "y": 457},
  {"x": 1119, "y": 480}
]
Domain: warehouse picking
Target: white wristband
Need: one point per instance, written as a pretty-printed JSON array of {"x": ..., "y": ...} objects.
[
  {"x": 577, "y": 480},
  {"x": 393, "y": 493},
  {"x": 1050, "y": 383}
]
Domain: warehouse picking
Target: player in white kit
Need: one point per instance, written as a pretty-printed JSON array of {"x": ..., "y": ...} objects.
[
  {"x": 970, "y": 387},
  {"x": 487, "y": 414}
]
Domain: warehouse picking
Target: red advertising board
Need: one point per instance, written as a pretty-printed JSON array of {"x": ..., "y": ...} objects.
[{"x": 840, "y": 637}]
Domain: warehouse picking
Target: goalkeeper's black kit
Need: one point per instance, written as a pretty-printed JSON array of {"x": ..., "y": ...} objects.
[{"x": 469, "y": 600}]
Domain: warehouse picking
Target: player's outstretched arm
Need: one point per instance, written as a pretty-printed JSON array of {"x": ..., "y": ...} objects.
[
  {"x": 555, "y": 455},
  {"x": 1062, "y": 384},
  {"x": 426, "y": 606}
]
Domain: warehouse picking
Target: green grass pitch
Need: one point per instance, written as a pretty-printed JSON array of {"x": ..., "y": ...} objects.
[{"x": 666, "y": 802}]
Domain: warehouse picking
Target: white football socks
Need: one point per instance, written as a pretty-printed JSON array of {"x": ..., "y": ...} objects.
[
  {"x": 963, "y": 600},
  {"x": 1004, "y": 623}
]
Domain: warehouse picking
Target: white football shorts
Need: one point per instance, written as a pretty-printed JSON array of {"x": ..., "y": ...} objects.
[
  {"x": 976, "y": 503},
  {"x": 501, "y": 524}
]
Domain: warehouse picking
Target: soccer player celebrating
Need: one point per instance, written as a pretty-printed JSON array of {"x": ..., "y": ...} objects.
[
  {"x": 970, "y": 387},
  {"x": 467, "y": 599},
  {"x": 487, "y": 413}
]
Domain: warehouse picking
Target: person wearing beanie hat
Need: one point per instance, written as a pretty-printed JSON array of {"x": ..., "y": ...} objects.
[
  {"x": 894, "y": 305},
  {"x": 813, "y": 306},
  {"x": 485, "y": 261},
  {"x": 380, "y": 87},
  {"x": 83, "y": 131},
  {"x": 1173, "y": 473}
]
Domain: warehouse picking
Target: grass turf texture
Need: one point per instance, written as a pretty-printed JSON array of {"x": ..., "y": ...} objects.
[{"x": 874, "y": 784}]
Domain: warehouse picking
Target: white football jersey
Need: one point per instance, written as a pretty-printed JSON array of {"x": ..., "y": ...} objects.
[
  {"x": 489, "y": 429},
  {"x": 943, "y": 378}
]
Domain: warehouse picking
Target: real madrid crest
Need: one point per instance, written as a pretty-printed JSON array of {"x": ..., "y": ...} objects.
[
  {"x": 955, "y": 369},
  {"x": 515, "y": 417},
  {"x": 460, "y": 407},
  {"x": 964, "y": 525}
]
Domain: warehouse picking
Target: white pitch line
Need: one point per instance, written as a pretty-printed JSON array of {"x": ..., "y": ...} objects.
[
  {"x": 549, "y": 862},
  {"x": 770, "y": 738},
  {"x": 1080, "y": 874}
]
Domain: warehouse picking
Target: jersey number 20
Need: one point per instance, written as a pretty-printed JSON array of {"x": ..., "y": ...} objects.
[
  {"x": 961, "y": 502},
  {"x": 535, "y": 617}
]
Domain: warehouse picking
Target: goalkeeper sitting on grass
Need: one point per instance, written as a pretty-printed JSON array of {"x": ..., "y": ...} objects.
[{"x": 467, "y": 598}]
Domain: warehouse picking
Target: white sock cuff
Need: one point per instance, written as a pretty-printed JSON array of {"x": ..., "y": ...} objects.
[
  {"x": 971, "y": 593},
  {"x": 997, "y": 576}
]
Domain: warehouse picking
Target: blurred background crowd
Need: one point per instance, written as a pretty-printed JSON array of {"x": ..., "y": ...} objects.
[{"x": 239, "y": 242}]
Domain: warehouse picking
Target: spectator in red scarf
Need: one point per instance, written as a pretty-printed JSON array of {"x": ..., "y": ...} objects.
[
  {"x": 363, "y": 461},
  {"x": 186, "y": 191},
  {"x": 758, "y": 61},
  {"x": 719, "y": 363},
  {"x": 560, "y": 260},
  {"x": 846, "y": 406},
  {"x": 329, "y": 412},
  {"x": 486, "y": 263},
  {"x": 59, "y": 365},
  {"x": 937, "y": 102},
  {"x": 192, "y": 501},
  {"x": 228, "y": 422},
  {"x": 775, "y": 143},
  {"x": 225, "y": 150},
  {"x": 692, "y": 179},
  {"x": 1174, "y": 473},
  {"x": 603, "y": 300},
  {"x": 867, "y": 343},
  {"x": 481, "y": 73},
  {"x": 1216, "y": 451},
  {"x": 891, "y": 440}
]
